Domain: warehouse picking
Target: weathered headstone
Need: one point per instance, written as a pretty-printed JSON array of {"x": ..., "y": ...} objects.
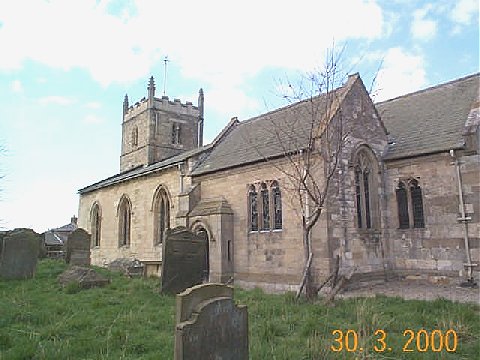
[
  {"x": 78, "y": 248},
  {"x": 128, "y": 267},
  {"x": 183, "y": 260},
  {"x": 19, "y": 250},
  {"x": 209, "y": 325},
  {"x": 84, "y": 277}
]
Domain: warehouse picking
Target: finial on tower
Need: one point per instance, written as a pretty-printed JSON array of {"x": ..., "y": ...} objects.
[
  {"x": 151, "y": 88},
  {"x": 200, "y": 118},
  {"x": 125, "y": 104}
]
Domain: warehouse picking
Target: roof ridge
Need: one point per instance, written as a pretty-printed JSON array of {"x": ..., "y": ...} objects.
[{"x": 451, "y": 82}]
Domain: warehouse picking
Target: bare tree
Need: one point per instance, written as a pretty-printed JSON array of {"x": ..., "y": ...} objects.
[{"x": 304, "y": 142}]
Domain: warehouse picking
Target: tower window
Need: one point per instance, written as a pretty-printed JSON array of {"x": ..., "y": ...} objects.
[
  {"x": 135, "y": 137},
  {"x": 176, "y": 133}
]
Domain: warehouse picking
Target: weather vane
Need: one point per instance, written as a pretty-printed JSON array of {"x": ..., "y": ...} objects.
[{"x": 165, "y": 60}]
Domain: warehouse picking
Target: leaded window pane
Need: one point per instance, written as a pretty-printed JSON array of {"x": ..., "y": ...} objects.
[
  {"x": 265, "y": 208},
  {"x": 253, "y": 210},
  {"x": 402, "y": 203},
  {"x": 417, "y": 205},
  {"x": 359, "y": 197},
  {"x": 366, "y": 189},
  {"x": 277, "y": 206}
]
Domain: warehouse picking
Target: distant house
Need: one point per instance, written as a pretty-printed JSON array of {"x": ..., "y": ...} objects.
[{"x": 55, "y": 239}]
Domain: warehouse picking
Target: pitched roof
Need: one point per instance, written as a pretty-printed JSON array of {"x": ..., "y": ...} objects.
[
  {"x": 429, "y": 120},
  {"x": 274, "y": 133},
  {"x": 144, "y": 170}
]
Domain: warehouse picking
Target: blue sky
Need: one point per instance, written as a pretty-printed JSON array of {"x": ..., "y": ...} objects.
[{"x": 66, "y": 66}]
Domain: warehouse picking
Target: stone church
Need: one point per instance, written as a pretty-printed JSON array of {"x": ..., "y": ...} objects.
[{"x": 404, "y": 197}]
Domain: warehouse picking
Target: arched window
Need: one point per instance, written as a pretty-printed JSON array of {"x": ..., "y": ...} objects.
[
  {"x": 265, "y": 207},
  {"x": 253, "y": 208},
  {"x": 95, "y": 224},
  {"x": 124, "y": 221},
  {"x": 365, "y": 170},
  {"x": 402, "y": 202},
  {"x": 277, "y": 206},
  {"x": 410, "y": 204},
  {"x": 161, "y": 214},
  {"x": 417, "y": 204},
  {"x": 176, "y": 133},
  {"x": 135, "y": 137}
]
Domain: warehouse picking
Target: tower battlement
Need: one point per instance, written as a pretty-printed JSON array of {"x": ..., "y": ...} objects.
[{"x": 155, "y": 128}]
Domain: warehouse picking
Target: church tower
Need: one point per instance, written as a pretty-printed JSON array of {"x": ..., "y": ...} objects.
[{"x": 154, "y": 129}]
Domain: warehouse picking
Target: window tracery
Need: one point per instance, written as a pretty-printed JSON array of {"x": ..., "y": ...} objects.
[
  {"x": 265, "y": 199},
  {"x": 410, "y": 204}
]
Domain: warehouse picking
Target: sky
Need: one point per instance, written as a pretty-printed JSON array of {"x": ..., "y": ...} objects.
[{"x": 65, "y": 67}]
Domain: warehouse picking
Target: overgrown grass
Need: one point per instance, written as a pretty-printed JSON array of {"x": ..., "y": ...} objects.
[{"x": 129, "y": 319}]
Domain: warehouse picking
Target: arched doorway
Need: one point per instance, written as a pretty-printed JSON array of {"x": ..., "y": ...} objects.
[{"x": 202, "y": 233}]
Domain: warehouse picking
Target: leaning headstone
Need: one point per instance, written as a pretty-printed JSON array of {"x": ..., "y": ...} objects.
[
  {"x": 19, "y": 250},
  {"x": 78, "y": 248},
  {"x": 209, "y": 325},
  {"x": 183, "y": 260}
]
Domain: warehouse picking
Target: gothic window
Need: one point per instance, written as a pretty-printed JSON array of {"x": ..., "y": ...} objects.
[
  {"x": 176, "y": 133},
  {"x": 410, "y": 204},
  {"x": 135, "y": 136},
  {"x": 417, "y": 204},
  {"x": 95, "y": 224},
  {"x": 161, "y": 215},
  {"x": 253, "y": 208},
  {"x": 265, "y": 207},
  {"x": 402, "y": 203},
  {"x": 124, "y": 221},
  {"x": 365, "y": 190},
  {"x": 277, "y": 206},
  {"x": 157, "y": 123}
]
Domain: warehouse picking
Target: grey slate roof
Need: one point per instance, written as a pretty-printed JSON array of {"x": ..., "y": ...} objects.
[
  {"x": 144, "y": 170},
  {"x": 272, "y": 134},
  {"x": 430, "y": 120}
]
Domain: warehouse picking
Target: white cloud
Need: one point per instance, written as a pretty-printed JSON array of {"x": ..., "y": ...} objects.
[
  {"x": 16, "y": 86},
  {"x": 423, "y": 28},
  {"x": 93, "y": 105},
  {"x": 402, "y": 72},
  {"x": 92, "y": 119},
  {"x": 56, "y": 100},
  {"x": 464, "y": 11},
  {"x": 204, "y": 40}
]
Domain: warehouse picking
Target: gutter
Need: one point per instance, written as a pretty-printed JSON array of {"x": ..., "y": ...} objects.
[{"x": 464, "y": 219}]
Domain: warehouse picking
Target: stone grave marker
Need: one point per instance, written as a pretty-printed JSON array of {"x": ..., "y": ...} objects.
[
  {"x": 78, "y": 248},
  {"x": 209, "y": 325},
  {"x": 183, "y": 260},
  {"x": 19, "y": 251}
]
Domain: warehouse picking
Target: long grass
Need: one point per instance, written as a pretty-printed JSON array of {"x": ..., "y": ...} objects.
[{"x": 130, "y": 319}]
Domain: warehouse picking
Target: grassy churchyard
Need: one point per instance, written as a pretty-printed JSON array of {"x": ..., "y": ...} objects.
[{"x": 129, "y": 319}]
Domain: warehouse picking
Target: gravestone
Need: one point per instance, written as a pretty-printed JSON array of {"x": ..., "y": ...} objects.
[
  {"x": 84, "y": 277},
  {"x": 128, "y": 267},
  {"x": 209, "y": 325},
  {"x": 19, "y": 251},
  {"x": 183, "y": 260},
  {"x": 78, "y": 248}
]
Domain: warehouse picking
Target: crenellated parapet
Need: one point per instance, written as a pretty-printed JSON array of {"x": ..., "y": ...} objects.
[{"x": 156, "y": 128}]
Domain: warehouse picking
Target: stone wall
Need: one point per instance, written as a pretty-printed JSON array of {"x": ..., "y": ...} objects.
[
  {"x": 141, "y": 192},
  {"x": 270, "y": 259},
  {"x": 362, "y": 248},
  {"x": 439, "y": 246}
]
